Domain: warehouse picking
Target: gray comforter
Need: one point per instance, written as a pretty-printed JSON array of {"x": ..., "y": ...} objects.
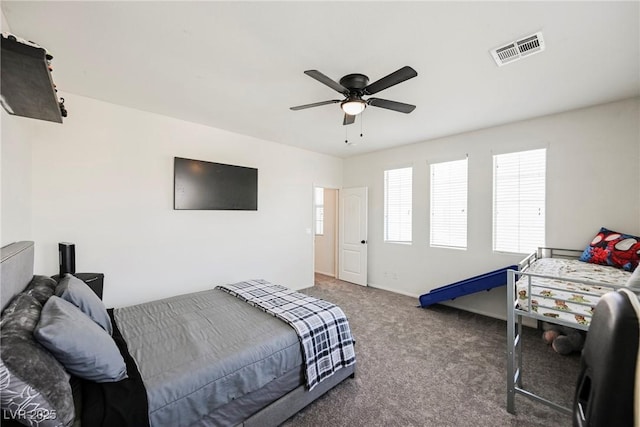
[{"x": 199, "y": 351}]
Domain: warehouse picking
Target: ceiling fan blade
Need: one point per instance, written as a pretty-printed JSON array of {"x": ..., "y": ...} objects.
[
  {"x": 327, "y": 81},
  {"x": 348, "y": 119},
  {"x": 404, "y": 73},
  {"x": 391, "y": 105},
  {"x": 315, "y": 104}
]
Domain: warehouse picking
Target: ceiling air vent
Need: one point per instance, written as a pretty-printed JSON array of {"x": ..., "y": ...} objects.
[{"x": 518, "y": 49}]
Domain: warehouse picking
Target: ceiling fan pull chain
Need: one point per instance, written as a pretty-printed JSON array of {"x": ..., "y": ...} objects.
[
  {"x": 361, "y": 123},
  {"x": 346, "y": 135}
]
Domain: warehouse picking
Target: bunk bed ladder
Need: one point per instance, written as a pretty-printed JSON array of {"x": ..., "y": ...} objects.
[
  {"x": 514, "y": 354},
  {"x": 514, "y": 346}
]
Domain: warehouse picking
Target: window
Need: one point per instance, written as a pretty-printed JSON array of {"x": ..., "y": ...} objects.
[
  {"x": 319, "y": 205},
  {"x": 449, "y": 204},
  {"x": 519, "y": 201},
  {"x": 397, "y": 205}
]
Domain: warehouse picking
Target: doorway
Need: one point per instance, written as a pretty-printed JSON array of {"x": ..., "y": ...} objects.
[{"x": 325, "y": 231}]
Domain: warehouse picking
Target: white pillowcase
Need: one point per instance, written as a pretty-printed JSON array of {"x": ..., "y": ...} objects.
[{"x": 634, "y": 280}]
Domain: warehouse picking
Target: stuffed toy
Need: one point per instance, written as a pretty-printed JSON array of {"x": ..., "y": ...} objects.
[{"x": 564, "y": 340}]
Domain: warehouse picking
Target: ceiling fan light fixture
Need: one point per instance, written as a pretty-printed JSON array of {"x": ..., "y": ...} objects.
[
  {"x": 355, "y": 86},
  {"x": 353, "y": 106}
]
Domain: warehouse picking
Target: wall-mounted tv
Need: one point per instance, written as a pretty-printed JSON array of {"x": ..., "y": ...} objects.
[{"x": 200, "y": 185}]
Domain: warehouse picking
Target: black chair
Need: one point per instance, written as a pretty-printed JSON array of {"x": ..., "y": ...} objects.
[{"x": 605, "y": 391}]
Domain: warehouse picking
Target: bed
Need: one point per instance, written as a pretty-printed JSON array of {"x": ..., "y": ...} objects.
[
  {"x": 210, "y": 358},
  {"x": 560, "y": 286}
]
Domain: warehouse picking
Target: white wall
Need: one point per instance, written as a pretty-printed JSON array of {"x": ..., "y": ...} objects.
[
  {"x": 16, "y": 208},
  {"x": 104, "y": 181},
  {"x": 15, "y": 174},
  {"x": 592, "y": 181},
  {"x": 325, "y": 249}
]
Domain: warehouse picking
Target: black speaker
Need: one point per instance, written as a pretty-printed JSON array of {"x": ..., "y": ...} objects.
[{"x": 67, "y": 257}]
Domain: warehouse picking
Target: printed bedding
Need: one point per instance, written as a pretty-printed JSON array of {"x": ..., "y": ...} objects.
[{"x": 566, "y": 300}]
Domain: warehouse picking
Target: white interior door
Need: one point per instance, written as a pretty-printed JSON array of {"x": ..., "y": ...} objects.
[{"x": 352, "y": 238}]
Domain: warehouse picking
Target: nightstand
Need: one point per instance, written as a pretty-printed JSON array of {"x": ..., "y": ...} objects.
[{"x": 94, "y": 280}]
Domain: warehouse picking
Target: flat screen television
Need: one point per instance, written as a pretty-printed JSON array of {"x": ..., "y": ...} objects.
[{"x": 200, "y": 185}]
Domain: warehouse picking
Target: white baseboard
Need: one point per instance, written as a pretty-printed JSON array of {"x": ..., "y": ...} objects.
[
  {"x": 326, "y": 274},
  {"x": 395, "y": 291},
  {"x": 526, "y": 321}
]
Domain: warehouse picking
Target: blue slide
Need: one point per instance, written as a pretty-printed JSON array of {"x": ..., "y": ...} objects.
[{"x": 483, "y": 282}]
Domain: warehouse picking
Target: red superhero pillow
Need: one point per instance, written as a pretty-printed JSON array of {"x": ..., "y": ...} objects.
[{"x": 614, "y": 249}]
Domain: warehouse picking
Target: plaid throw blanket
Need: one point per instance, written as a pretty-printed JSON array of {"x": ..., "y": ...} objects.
[{"x": 322, "y": 327}]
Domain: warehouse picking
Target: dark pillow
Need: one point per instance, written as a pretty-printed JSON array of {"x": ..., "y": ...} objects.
[
  {"x": 21, "y": 316},
  {"x": 34, "y": 387},
  {"x": 41, "y": 287},
  {"x": 82, "y": 346},
  {"x": 614, "y": 249},
  {"x": 78, "y": 293}
]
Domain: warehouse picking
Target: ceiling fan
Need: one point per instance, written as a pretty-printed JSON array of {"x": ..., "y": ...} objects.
[{"x": 355, "y": 86}]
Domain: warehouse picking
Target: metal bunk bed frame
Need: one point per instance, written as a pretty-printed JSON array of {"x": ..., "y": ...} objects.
[{"x": 515, "y": 316}]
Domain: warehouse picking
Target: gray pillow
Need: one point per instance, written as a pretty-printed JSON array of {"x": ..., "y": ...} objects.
[
  {"x": 34, "y": 387},
  {"x": 634, "y": 281},
  {"x": 78, "y": 293},
  {"x": 83, "y": 347}
]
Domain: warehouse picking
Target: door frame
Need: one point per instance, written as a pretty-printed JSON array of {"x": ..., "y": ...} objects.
[{"x": 336, "y": 257}]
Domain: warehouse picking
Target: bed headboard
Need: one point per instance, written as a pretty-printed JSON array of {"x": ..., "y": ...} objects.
[{"x": 16, "y": 270}]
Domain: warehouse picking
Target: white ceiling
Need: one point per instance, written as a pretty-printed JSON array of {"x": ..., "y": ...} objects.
[{"x": 239, "y": 65}]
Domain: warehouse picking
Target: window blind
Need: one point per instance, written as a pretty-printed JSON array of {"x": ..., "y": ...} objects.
[
  {"x": 449, "y": 204},
  {"x": 319, "y": 204},
  {"x": 519, "y": 201},
  {"x": 398, "y": 189}
]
